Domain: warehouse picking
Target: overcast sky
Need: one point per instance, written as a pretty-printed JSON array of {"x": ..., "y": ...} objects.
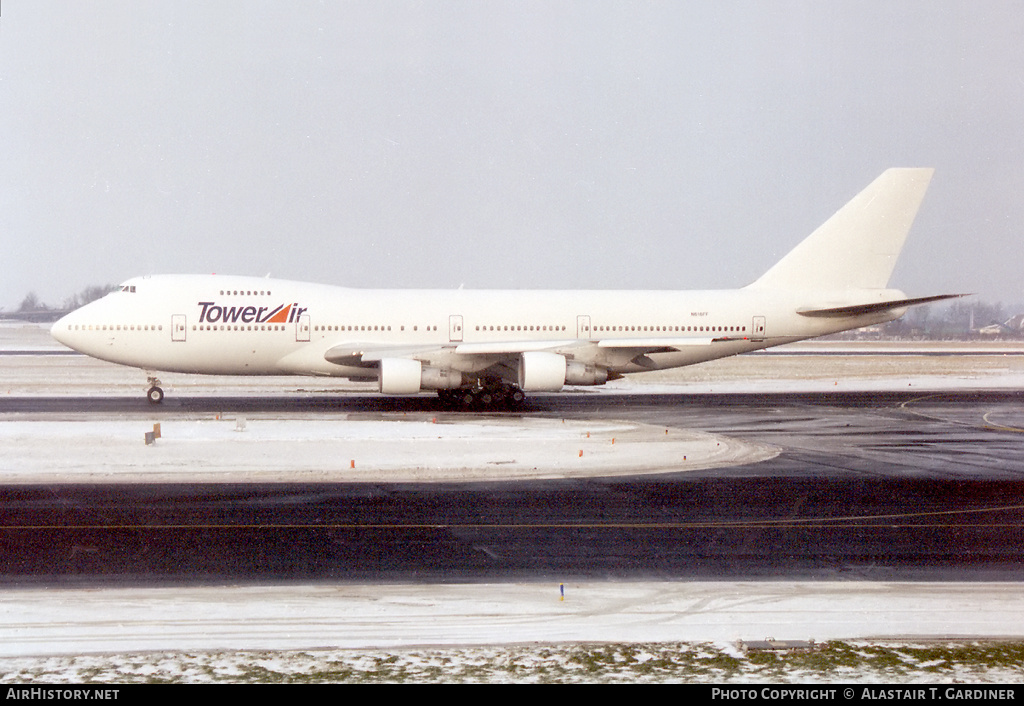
[{"x": 668, "y": 145}]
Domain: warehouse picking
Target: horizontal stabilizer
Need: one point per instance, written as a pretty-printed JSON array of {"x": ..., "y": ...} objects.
[{"x": 874, "y": 307}]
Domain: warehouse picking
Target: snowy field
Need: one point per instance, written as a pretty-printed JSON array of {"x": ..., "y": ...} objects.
[
  {"x": 604, "y": 632},
  {"x": 425, "y": 632}
]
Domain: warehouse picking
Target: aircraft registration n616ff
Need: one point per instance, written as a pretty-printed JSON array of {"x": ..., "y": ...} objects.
[{"x": 483, "y": 348}]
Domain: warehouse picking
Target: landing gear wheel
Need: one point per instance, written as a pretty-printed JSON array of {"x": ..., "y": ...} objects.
[
  {"x": 483, "y": 398},
  {"x": 155, "y": 395}
]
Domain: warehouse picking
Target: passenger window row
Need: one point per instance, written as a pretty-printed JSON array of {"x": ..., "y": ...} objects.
[
  {"x": 382, "y": 327},
  {"x": 520, "y": 328},
  {"x": 681, "y": 329},
  {"x": 379, "y": 327}
]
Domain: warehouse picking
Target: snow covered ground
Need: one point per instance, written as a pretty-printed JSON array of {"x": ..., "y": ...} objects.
[
  {"x": 395, "y": 449},
  {"x": 57, "y": 621},
  {"x": 603, "y": 632},
  {"x": 224, "y": 620}
]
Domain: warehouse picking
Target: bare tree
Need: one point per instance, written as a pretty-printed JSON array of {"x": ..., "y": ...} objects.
[{"x": 31, "y": 303}]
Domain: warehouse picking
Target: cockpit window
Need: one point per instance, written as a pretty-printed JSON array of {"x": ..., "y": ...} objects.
[{"x": 128, "y": 288}]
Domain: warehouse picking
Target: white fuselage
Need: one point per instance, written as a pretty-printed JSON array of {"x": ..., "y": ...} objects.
[{"x": 219, "y": 324}]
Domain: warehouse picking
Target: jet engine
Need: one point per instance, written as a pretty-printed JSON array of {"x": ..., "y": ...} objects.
[
  {"x": 401, "y": 376},
  {"x": 440, "y": 379},
  {"x": 577, "y": 373},
  {"x": 541, "y": 372}
]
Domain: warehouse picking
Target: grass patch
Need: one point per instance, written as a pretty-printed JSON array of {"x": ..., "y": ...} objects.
[{"x": 572, "y": 663}]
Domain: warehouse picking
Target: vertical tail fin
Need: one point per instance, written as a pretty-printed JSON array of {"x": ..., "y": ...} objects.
[{"x": 856, "y": 248}]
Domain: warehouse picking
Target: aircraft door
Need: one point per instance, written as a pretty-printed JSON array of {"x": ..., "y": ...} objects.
[
  {"x": 302, "y": 329},
  {"x": 177, "y": 327},
  {"x": 455, "y": 328},
  {"x": 583, "y": 327},
  {"x": 757, "y": 332}
]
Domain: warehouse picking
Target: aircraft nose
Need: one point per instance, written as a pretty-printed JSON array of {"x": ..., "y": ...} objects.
[{"x": 61, "y": 330}]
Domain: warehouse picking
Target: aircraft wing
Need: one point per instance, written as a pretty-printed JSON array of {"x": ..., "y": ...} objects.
[
  {"x": 368, "y": 354},
  {"x": 467, "y": 357}
]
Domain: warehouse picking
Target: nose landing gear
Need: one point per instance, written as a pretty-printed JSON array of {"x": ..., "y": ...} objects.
[{"x": 154, "y": 394}]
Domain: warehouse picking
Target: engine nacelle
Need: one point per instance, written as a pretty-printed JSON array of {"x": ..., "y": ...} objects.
[
  {"x": 541, "y": 372},
  {"x": 399, "y": 376},
  {"x": 577, "y": 373},
  {"x": 440, "y": 379}
]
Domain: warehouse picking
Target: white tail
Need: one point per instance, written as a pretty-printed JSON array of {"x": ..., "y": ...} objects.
[{"x": 856, "y": 248}]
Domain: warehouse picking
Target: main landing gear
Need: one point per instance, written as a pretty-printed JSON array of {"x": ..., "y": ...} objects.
[
  {"x": 154, "y": 394},
  {"x": 487, "y": 397}
]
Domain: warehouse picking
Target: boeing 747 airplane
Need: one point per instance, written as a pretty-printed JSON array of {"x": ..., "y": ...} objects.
[{"x": 483, "y": 348}]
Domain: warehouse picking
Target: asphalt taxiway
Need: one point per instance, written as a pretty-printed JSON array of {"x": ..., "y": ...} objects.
[{"x": 884, "y": 485}]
